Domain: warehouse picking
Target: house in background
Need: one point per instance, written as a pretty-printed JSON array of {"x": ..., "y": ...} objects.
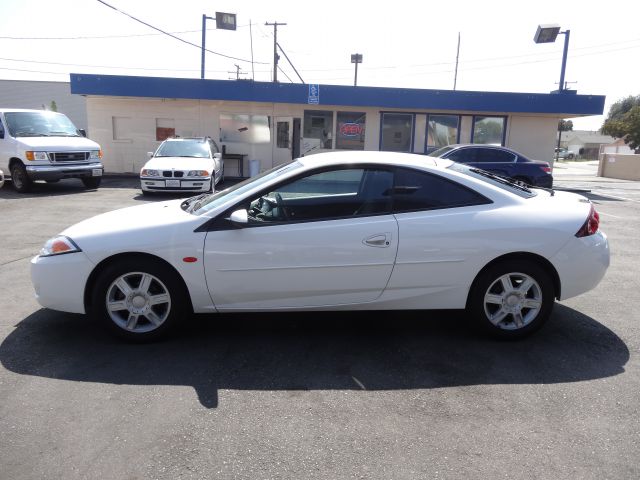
[{"x": 583, "y": 143}]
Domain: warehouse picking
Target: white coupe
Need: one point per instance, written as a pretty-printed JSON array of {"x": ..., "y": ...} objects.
[{"x": 333, "y": 231}]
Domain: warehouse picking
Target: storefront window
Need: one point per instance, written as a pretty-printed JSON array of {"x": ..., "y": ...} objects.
[
  {"x": 165, "y": 128},
  {"x": 397, "y": 132},
  {"x": 318, "y": 130},
  {"x": 350, "y": 131},
  {"x": 442, "y": 130},
  {"x": 241, "y": 128},
  {"x": 489, "y": 130}
]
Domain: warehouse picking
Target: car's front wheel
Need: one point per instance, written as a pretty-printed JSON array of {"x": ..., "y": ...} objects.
[
  {"x": 512, "y": 299},
  {"x": 20, "y": 179},
  {"x": 139, "y": 299},
  {"x": 91, "y": 182}
]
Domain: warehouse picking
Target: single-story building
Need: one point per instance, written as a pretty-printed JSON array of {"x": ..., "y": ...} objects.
[{"x": 275, "y": 122}]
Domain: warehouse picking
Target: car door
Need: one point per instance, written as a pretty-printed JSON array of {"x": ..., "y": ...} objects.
[
  {"x": 325, "y": 239},
  {"x": 442, "y": 241}
]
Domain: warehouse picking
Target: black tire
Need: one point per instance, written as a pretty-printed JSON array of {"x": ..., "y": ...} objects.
[
  {"x": 20, "y": 179},
  {"x": 570, "y": 156},
  {"x": 91, "y": 182},
  {"x": 152, "y": 320},
  {"x": 511, "y": 314}
]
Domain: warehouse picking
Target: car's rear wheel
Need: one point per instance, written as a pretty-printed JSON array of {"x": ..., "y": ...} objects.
[
  {"x": 91, "y": 182},
  {"x": 20, "y": 179},
  {"x": 139, "y": 300},
  {"x": 512, "y": 299}
]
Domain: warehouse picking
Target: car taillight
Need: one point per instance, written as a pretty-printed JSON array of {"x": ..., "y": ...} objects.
[
  {"x": 545, "y": 168},
  {"x": 591, "y": 224}
]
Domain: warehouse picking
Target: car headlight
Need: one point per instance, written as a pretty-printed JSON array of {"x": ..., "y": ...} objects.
[
  {"x": 59, "y": 245},
  {"x": 31, "y": 155},
  {"x": 146, "y": 172},
  {"x": 197, "y": 173},
  {"x": 95, "y": 154}
]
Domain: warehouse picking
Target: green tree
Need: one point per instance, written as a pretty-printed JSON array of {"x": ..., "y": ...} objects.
[
  {"x": 565, "y": 125},
  {"x": 624, "y": 121}
]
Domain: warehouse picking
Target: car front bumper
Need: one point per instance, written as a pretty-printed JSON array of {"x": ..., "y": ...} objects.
[
  {"x": 175, "y": 184},
  {"x": 60, "y": 280},
  {"x": 58, "y": 172}
]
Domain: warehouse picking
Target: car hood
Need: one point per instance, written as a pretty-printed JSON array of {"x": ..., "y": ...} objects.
[
  {"x": 57, "y": 144},
  {"x": 179, "y": 163},
  {"x": 133, "y": 222}
]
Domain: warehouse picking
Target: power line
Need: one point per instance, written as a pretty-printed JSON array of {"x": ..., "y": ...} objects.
[
  {"x": 199, "y": 47},
  {"x": 102, "y": 37},
  {"x": 114, "y": 66},
  {"x": 285, "y": 74},
  {"x": 292, "y": 66}
]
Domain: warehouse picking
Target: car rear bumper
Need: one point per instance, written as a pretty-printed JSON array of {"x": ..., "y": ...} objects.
[
  {"x": 544, "y": 182},
  {"x": 581, "y": 264},
  {"x": 58, "y": 172}
]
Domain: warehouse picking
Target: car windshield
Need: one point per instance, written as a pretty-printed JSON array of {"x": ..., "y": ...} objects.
[
  {"x": 40, "y": 124},
  {"x": 440, "y": 152},
  {"x": 507, "y": 184},
  {"x": 184, "y": 148},
  {"x": 202, "y": 204}
]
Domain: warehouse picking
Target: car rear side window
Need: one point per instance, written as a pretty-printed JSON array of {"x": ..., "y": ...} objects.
[
  {"x": 493, "y": 155},
  {"x": 463, "y": 155},
  {"x": 415, "y": 190}
]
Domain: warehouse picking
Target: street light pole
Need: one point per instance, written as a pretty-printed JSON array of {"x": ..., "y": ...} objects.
[
  {"x": 204, "y": 39},
  {"x": 566, "y": 34},
  {"x": 224, "y": 21},
  {"x": 356, "y": 58}
]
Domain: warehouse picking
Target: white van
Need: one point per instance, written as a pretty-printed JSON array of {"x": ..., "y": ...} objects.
[{"x": 44, "y": 145}]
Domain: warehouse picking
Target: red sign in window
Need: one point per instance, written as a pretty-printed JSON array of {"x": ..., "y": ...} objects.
[{"x": 351, "y": 129}]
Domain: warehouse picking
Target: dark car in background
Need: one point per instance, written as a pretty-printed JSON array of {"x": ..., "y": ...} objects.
[{"x": 499, "y": 160}]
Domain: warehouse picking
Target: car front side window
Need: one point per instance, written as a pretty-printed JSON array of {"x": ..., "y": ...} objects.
[{"x": 325, "y": 195}]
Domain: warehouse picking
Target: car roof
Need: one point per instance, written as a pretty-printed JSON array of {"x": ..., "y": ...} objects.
[
  {"x": 12, "y": 110},
  {"x": 369, "y": 157}
]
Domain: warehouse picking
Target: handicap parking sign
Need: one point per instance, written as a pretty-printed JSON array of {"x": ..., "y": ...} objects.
[{"x": 314, "y": 94}]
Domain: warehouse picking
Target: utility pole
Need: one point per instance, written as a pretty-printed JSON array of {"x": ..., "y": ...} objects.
[
  {"x": 455, "y": 78},
  {"x": 276, "y": 57},
  {"x": 237, "y": 72}
]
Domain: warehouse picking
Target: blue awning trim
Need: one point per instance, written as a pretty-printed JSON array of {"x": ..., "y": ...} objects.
[{"x": 339, "y": 95}]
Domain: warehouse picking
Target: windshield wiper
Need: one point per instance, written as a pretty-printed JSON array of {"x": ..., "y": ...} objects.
[
  {"x": 30, "y": 134},
  {"x": 505, "y": 181},
  {"x": 192, "y": 200},
  {"x": 63, "y": 134}
]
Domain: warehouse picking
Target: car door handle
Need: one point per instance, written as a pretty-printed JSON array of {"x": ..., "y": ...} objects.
[{"x": 380, "y": 240}]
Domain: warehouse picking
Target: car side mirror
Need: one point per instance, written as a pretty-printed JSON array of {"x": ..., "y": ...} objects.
[
  {"x": 239, "y": 218},
  {"x": 217, "y": 155},
  {"x": 82, "y": 132},
  {"x": 149, "y": 154}
]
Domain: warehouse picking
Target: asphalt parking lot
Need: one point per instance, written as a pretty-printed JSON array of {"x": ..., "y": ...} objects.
[{"x": 324, "y": 396}]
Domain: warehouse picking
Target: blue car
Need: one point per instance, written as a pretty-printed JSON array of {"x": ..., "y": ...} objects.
[{"x": 499, "y": 160}]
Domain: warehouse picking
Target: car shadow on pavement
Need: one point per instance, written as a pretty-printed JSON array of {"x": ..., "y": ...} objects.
[{"x": 319, "y": 351}]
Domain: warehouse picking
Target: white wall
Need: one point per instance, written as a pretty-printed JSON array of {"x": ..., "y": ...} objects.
[
  {"x": 533, "y": 136},
  {"x": 29, "y": 94}
]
